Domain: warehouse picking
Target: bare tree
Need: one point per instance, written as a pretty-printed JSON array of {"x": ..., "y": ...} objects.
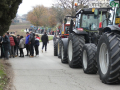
[{"x": 69, "y": 6}]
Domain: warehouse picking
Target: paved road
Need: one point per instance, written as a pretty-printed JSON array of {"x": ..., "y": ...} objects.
[{"x": 46, "y": 72}]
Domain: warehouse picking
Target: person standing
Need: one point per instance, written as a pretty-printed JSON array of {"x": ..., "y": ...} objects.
[
  {"x": 12, "y": 44},
  {"x": 18, "y": 41},
  {"x": 9, "y": 36},
  {"x": 27, "y": 43},
  {"x": 45, "y": 40},
  {"x": 16, "y": 44},
  {"x": 37, "y": 42},
  {"x": 32, "y": 41},
  {"x": 21, "y": 46},
  {"x": 6, "y": 43}
]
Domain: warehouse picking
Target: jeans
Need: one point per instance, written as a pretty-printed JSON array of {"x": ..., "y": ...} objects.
[
  {"x": 31, "y": 49},
  {"x": 12, "y": 51},
  {"x": 6, "y": 54},
  {"x": 44, "y": 44},
  {"x": 37, "y": 49},
  {"x": 21, "y": 52},
  {"x": 17, "y": 49},
  {"x": 28, "y": 48}
]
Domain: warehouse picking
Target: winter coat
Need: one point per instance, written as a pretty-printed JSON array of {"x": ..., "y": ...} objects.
[
  {"x": 27, "y": 39},
  {"x": 44, "y": 38},
  {"x": 12, "y": 42},
  {"x": 15, "y": 40},
  {"x": 22, "y": 42},
  {"x": 6, "y": 42},
  {"x": 18, "y": 40},
  {"x": 32, "y": 38},
  {"x": 37, "y": 41}
]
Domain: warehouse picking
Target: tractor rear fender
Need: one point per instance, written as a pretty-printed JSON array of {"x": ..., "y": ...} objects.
[
  {"x": 65, "y": 43},
  {"x": 112, "y": 28},
  {"x": 80, "y": 32}
]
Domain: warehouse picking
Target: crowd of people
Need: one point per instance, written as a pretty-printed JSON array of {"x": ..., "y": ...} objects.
[{"x": 11, "y": 45}]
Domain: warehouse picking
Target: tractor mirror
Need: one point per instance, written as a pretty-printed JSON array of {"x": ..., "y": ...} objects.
[
  {"x": 96, "y": 13},
  {"x": 65, "y": 21}
]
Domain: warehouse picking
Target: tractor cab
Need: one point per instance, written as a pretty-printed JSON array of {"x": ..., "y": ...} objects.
[{"x": 89, "y": 19}]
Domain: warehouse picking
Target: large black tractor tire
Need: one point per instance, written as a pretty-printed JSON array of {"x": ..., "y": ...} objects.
[
  {"x": 75, "y": 45},
  {"x": 64, "y": 55},
  {"x": 89, "y": 59},
  {"x": 59, "y": 48},
  {"x": 55, "y": 48},
  {"x": 108, "y": 58}
]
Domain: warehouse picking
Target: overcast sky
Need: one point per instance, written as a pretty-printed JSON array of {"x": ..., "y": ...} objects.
[{"x": 26, "y": 5}]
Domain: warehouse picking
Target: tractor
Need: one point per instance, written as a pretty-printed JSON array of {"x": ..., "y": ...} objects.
[
  {"x": 57, "y": 45},
  {"x": 94, "y": 43},
  {"x": 104, "y": 55}
]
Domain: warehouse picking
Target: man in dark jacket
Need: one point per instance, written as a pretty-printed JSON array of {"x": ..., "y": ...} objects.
[
  {"x": 18, "y": 41},
  {"x": 6, "y": 43},
  {"x": 32, "y": 41},
  {"x": 45, "y": 40}
]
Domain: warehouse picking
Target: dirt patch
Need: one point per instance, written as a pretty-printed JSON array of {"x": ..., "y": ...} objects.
[
  {"x": 18, "y": 29},
  {"x": 8, "y": 74}
]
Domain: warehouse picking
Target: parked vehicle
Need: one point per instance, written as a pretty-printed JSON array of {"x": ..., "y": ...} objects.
[{"x": 94, "y": 43}]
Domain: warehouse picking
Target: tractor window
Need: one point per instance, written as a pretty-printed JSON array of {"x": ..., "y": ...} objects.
[
  {"x": 67, "y": 29},
  {"x": 89, "y": 22},
  {"x": 118, "y": 13}
]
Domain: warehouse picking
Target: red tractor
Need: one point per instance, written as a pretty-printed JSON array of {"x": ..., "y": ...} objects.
[{"x": 64, "y": 34}]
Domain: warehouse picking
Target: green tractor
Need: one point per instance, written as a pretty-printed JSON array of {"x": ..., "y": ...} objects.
[{"x": 94, "y": 43}]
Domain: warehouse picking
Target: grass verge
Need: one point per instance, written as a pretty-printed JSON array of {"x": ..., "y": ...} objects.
[
  {"x": 22, "y": 30},
  {"x": 3, "y": 77}
]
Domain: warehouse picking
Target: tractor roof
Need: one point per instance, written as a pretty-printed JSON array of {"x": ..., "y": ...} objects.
[{"x": 89, "y": 10}]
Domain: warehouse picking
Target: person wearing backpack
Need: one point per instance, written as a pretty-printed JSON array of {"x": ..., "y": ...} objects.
[{"x": 32, "y": 41}]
